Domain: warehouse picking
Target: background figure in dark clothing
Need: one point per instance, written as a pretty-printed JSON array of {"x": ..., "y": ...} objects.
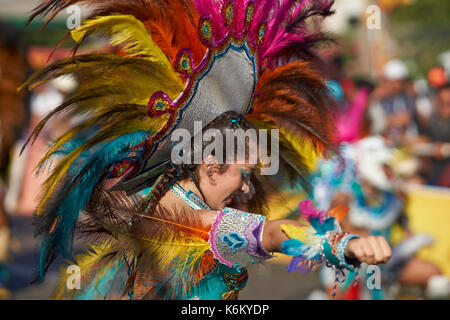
[
  {"x": 438, "y": 132},
  {"x": 399, "y": 107}
]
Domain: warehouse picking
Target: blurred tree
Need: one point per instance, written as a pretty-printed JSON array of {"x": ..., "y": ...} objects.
[
  {"x": 422, "y": 31},
  {"x": 33, "y": 34}
]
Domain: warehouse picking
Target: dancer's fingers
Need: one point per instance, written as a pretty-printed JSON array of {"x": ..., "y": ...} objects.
[
  {"x": 355, "y": 250},
  {"x": 368, "y": 251},
  {"x": 378, "y": 252},
  {"x": 385, "y": 248}
]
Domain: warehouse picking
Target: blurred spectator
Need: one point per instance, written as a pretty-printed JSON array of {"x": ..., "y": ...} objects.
[
  {"x": 438, "y": 131},
  {"x": 361, "y": 179},
  {"x": 423, "y": 103},
  {"x": 351, "y": 109},
  {"x": 350, "y": 94},
  {"x": 393, "y": 112},
  {"x": 437, "y": 77}
]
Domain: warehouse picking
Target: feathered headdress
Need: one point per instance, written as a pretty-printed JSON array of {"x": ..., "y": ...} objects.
[{"x": 178, "y": 61}]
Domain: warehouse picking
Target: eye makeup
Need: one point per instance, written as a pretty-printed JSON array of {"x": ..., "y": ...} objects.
[{"x": 244, "y": 174}]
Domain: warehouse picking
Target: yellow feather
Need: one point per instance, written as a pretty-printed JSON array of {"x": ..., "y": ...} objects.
[
  {"x": 294, "y": 232},
  {"x": 180, "y": 254},
  {"x": 63, "y": 166},
  {"x": 306, "y": 234},
  {"x": 85, "y": 261},
  {"x": 126, "y": 30},
  {"x": 183, "y": 253},
  {"x": 123, "y": 29},
  {"x": 302, "y": 147}
]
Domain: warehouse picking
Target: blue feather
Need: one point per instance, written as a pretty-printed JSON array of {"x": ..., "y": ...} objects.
[
  {"x": 85, "y": 175},
  {"x": 321, "y": 228}
]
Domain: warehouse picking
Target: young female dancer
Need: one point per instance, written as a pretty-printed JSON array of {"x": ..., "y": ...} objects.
[{"x": 166, "y": 227}]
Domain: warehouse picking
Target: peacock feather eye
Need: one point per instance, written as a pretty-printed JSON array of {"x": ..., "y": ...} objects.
[
  {"x": 205, "y": 31},
  {"x": 119, "y": 169},
  {"x": 160, "y": 104},
  {"x": 229, "y": 14},
  {"x": 249, "y": 11},
  {"x": 184, "y": 62},
  {"x": 261, "y": 33}
]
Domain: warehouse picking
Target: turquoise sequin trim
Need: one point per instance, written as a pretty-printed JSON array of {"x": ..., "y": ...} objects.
[
  {"x": 190, "y": 198},
  {"x": 338, "y": 260}
]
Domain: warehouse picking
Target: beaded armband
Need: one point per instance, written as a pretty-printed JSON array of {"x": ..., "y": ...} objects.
[
  {"x": 236, "y": 238},
  {"x": 320, "y": 241},
  {"x": 333, "y": 248}
]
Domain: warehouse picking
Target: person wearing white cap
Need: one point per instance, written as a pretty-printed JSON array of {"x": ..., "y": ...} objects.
[
  {"x": 395, "y": 116},
  {"x": 395, "y": 70}
]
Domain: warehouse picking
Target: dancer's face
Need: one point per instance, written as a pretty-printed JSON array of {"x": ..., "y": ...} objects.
[{"x": 229, "y": 188}]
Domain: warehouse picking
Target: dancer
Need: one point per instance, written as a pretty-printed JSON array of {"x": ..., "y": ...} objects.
[
  {"x": 166, "y": 226},
  {"x": 362, "y": 180}
]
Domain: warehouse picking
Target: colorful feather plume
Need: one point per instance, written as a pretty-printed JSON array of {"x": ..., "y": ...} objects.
[
  {"x": 151, "y": 244},
  {"x": 291, "y": 98},
  {"x": 305, "y": 242}
]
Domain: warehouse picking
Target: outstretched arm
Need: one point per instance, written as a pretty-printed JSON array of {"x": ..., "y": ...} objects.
[{"x": 371, "y": 250}]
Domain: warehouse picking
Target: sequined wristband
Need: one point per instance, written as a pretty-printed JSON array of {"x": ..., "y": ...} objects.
[{"x": 236, "y": 238}]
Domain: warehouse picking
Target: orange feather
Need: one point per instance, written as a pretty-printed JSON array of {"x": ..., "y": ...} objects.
[{"x": 338, "y": 212}]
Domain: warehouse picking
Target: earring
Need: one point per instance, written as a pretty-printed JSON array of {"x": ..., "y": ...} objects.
[
  {"x": 210, "y": 160},
  {"x": 211, "y": 164}
]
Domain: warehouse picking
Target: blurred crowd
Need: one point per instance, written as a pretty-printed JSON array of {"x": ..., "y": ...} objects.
[
  {"x": 394, "y": 133},
  {"x": 413, "y": 117}
]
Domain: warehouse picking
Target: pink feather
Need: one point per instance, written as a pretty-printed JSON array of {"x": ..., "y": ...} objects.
[
  {"x": 213, "y": 10},
  {"x": 263, "y": 12},
  {"x": 287, "y": 27},
  {"x": 309, "y": 211},
  {"x": 239, "y": 17}
]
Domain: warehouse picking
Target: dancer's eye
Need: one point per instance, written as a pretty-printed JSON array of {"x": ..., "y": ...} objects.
[{"x": 245, "y": 174}]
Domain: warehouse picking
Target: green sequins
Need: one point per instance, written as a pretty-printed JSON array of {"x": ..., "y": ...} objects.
[
  {"x": 249, "y": 12},
  {"x": 160, "y": 104},
  {"x": 184, "y": 62},
  {"x": 261, "y": 33}
]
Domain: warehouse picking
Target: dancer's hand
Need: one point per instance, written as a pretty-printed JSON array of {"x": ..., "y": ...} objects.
[{"x": 371, "y": 250}]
